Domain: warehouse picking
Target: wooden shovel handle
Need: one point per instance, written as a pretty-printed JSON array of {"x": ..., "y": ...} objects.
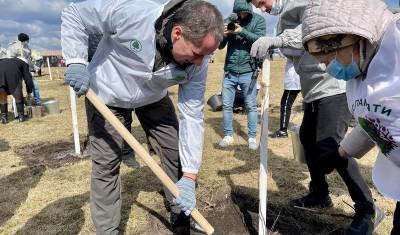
[{"x": 142, "y": 153}]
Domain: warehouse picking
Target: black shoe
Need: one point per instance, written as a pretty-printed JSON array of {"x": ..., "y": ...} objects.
[
  {"x": 21, "y": 110},
  {"x": 22, "y": 118},
  {"x": 365, "y": 223},
  {"x": 312, "y": 200},
  {"x": 180, "y": 223},
  {"x": 4, "y": 119},
  {"x": 3, "y": 113},
  {"x": 279, "y": 134}
]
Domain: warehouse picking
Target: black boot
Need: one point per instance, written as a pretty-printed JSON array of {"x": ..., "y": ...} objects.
[
  {"x": 281, "y": 133},
  {"x": 3, "y": 113},
  {"x": 180, "y": 223},
  {"x": 365, "y": 221},
  {"x": 396, "y": 220},
  {"x": 21, "y": 112},
  {"x": 315, "y": 198},
  {"x": 312, "y": 200}
]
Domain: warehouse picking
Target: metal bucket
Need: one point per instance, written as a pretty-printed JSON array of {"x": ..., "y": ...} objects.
[
  {"x": 34, "y": 111},
  {"x": 215, "y": 102},
  {"x": 51, "y": 107},
  {"x": 298, "y": 150}
]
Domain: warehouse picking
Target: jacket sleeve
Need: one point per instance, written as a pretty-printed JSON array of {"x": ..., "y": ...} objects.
[
  {"x": 27, "y": 77},
  {"x": 16, "y": 49},
  {"x": 259, "y": 31},
  {"x": 223, "y": 43},
  {"x": 13, "y": 50},
  {"x": 357, "y": 143},
  {"x": 191, "y": 119},
  {"x": 292, "y": 38},
  {"x": 291, "y": 16},
  {"x": 78, "y": 21}
]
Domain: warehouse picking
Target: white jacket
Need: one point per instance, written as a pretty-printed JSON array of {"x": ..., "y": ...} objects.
[
  {"x": 16, "y": 49},
  {"x": 291, "y": 80},
  {"x": 121, "y": 69},
  {"x": 373, "y": 97}
]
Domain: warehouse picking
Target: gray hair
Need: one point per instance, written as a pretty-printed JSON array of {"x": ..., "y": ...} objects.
[{"x": 198, "y": 18}]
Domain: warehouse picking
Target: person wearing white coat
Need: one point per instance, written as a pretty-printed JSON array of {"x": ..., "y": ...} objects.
[
  {"x": 325, "y": 119},
  {"x": 146, "y": 47},
  {"x": 359, "y": 41}
]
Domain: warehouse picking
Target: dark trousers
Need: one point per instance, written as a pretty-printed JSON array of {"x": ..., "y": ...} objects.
[
  {"x": 106, "y": 147},
  {"x": 287, "y": 100},
  {"x": 396, "y": 220},
  {"x": 16, "y": 93},
  {"x": 326, "y": 121}
]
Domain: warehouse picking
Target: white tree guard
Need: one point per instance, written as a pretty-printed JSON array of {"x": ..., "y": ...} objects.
[
  {"x": 14, "y": 104},
  {"x": 48, "y": 65},
  {"x": 263, "y": 174},
  {"x": 75, "y": 121}
]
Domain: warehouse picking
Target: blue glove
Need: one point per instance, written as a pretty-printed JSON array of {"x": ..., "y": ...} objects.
[
  {"x": 186, "y": 200},
  {"x": 77, "y": 76}
]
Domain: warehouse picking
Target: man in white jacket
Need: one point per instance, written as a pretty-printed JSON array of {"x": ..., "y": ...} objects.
[{"x": 146, "y": 47}]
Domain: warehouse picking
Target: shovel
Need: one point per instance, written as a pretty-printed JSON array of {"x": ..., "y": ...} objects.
[{"x": 142, "y": 153}]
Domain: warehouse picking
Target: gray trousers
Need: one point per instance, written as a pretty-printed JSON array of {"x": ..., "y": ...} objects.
[{"x": 106, "y": 147}]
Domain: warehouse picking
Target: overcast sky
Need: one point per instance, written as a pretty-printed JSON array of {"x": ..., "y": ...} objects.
[{"x": 40, "y": 19}]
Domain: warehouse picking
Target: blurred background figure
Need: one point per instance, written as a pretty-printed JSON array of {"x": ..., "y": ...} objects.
[
  {"x": 12, "y": 72},
  {"x": 243, "y": 28},
  {"x": 291, "y": 90},
  {"x": 37, "y": 60},
  {"x": 20, "y": 48}
]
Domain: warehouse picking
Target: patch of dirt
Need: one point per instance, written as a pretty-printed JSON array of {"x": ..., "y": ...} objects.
[
  {"x": 51, "y": 154},
  {"x": 236, "y": 212}
]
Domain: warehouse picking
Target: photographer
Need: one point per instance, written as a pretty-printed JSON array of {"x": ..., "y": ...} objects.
[{"x": 242, "y": 29}]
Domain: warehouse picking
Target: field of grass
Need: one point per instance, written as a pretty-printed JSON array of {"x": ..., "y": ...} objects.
[{"x": 44, "y": 189}]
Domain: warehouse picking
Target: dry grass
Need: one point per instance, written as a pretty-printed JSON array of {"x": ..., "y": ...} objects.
[{"x": 52, "y": 199}]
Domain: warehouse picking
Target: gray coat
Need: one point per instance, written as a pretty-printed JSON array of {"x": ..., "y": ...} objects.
[{"x": 315, "y": 82}]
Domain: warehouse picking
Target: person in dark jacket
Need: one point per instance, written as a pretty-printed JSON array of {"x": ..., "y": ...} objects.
[
  {"x": 239, "y": 67},
  {"x": 12, "y": 72}
]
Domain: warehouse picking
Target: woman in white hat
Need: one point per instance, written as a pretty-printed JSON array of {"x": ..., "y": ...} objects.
[{"x": 359, "y": 41}]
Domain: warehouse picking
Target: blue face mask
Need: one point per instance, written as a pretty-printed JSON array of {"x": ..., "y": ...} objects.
[{"x": 337, "y": 70}]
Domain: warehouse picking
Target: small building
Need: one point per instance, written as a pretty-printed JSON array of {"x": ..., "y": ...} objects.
[{"x": 55, "y": 58}]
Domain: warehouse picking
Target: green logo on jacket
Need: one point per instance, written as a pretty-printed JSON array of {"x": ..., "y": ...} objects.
[{"x": 135, "y": 45}]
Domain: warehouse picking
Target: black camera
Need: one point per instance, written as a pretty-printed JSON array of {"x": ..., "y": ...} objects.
[
  {"x": 231, "y": 26},
  {"x": 233, "y": 19}
]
